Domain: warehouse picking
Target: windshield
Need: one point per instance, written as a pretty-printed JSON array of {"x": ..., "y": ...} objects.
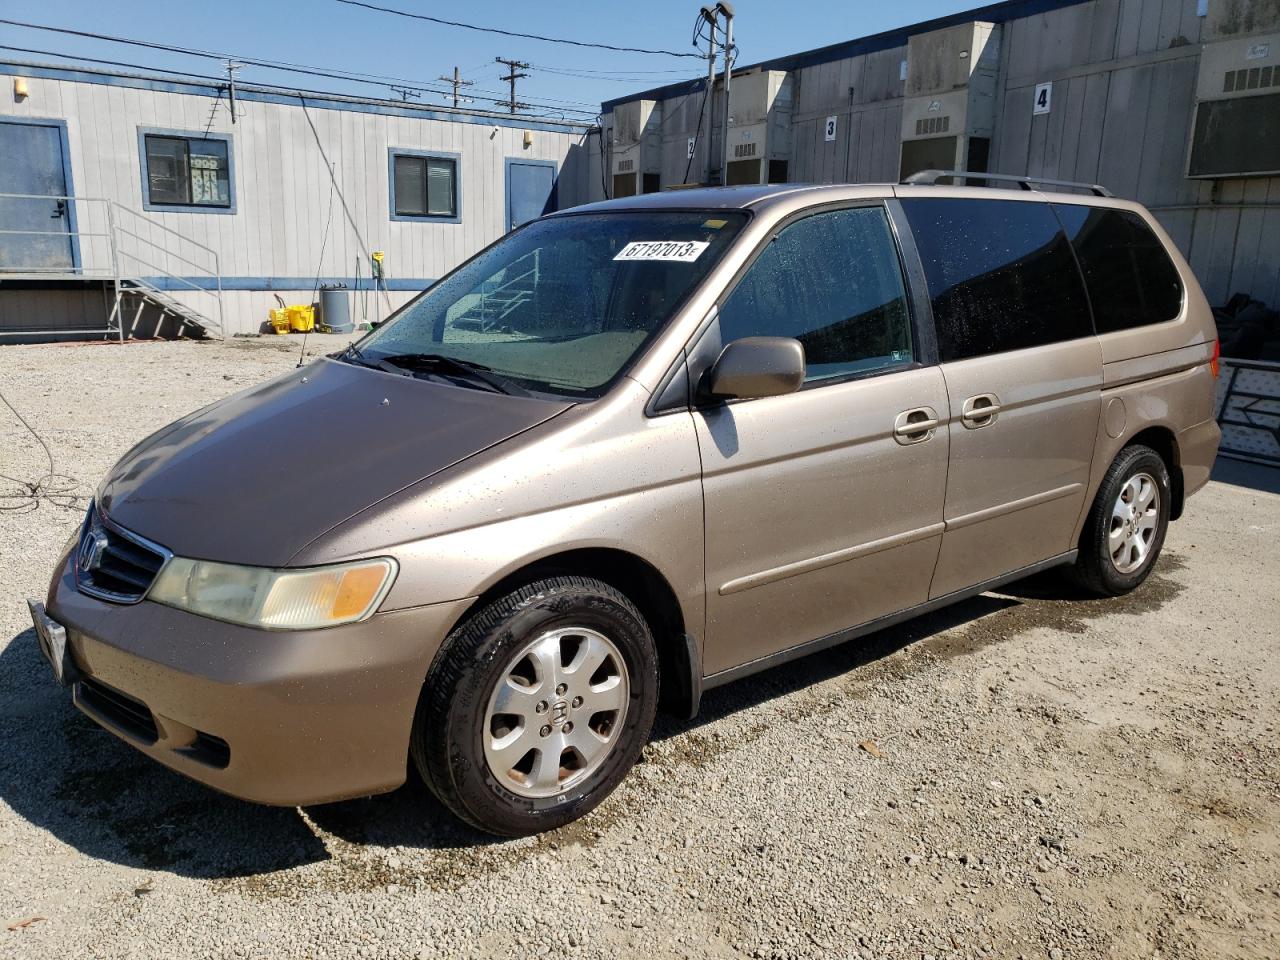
[{"x": 563, "y": 305}]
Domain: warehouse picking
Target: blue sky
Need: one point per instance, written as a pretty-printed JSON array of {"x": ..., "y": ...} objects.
[{"x": 332, "y": 35}]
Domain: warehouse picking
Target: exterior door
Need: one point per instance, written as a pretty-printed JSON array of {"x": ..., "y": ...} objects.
[
  {"x": 823, "y": 508},
  {"x": 34, "y": 164},
  {"x": 1024, "y": 378},
  {"x": 531, "y": 190}
]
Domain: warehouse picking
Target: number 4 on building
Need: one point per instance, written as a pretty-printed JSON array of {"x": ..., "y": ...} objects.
[{"x": 1044, "y": 96}]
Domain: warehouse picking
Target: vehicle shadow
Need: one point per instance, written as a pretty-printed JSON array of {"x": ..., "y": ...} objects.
[
  {"x": 1241, "y": 473},
  {"x": 64, "y": 774},
  {"x": 847, "y": 658}
]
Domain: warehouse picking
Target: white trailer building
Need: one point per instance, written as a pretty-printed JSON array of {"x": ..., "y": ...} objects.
[{"x": 141, "y": 204}]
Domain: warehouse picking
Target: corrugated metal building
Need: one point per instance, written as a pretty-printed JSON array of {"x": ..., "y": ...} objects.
[
  {"x": 171, "y": 200},
  {"x": 1175, "y": 103}
]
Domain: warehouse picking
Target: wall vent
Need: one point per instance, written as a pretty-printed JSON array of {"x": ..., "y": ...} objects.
[
  {"x": 1255, "y": 78},
  {"x": 1236, "y": 130},
  {"x": 930, "y": 126}
]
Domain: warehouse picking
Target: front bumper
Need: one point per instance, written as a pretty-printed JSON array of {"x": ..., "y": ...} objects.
[{"x": 288, "y": 718}]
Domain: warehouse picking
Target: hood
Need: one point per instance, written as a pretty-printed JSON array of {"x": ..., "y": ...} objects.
[{"x": 256, "y": 477}]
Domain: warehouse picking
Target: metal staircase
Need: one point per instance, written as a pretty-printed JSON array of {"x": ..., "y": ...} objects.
[
  {"x": 499, "y": 298},
  {"x": 150, "y": 272}
]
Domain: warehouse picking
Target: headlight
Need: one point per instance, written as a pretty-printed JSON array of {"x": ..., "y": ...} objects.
[{"x": 299, "y": 599}]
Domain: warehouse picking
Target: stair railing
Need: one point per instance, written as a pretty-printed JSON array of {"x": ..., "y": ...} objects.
[
  {"x": 115, "y": 243},
  {"x": 156, "y": 265}
]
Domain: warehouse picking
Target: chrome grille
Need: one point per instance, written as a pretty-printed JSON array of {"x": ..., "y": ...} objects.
[{"x": 114, "y": 564}]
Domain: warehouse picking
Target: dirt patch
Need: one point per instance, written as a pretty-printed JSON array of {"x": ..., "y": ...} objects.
[{"x": 1040, "y": 605}]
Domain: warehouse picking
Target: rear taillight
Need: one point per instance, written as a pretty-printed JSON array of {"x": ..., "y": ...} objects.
[{"x": 1213, "y": 361}]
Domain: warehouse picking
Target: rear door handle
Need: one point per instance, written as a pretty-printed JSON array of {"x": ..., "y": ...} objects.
[
  {"x": 915, "y": 426},
  {"x": 980, "y": 411},
  {"x": 59, "y": 211}
]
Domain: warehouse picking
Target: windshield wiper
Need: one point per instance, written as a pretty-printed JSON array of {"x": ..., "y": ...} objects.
[
  {"x": 465, "y": 370},
  {"x": 353, "y": 354}
]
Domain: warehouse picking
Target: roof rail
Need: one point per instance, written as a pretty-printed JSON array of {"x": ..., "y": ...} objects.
[{"x": 1026, "y": 183}]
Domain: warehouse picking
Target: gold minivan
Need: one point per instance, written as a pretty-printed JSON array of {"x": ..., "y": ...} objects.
[{"x": 629, "y": 452}]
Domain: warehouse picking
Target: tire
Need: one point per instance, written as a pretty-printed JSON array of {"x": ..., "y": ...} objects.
[
  {"x": 1109, "y": 532},
  {"x": 496, "y": 686}
]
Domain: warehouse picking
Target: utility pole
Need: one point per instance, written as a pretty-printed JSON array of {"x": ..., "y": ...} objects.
[
  {"x": 458, "y": 83},
  {"x": 511, "y": 78},
  {"x": 708, "y": 101},
  {"x": 726, "y": 9},
  {"x": 406, "y": 93}
]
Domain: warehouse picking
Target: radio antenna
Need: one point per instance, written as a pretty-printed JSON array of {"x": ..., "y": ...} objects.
[{"x": 319, "y": 266}]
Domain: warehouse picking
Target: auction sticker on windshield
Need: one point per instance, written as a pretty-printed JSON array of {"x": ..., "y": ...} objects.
[{"x": 678, "y": 251}]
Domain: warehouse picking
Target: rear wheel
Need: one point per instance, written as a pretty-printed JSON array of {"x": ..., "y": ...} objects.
[
  {"x": 1127, "y": 525},
  {"x": 537, "y": 706}
]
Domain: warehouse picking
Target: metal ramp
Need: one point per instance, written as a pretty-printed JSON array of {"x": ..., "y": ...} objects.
[{"x": 148, "y": 270}]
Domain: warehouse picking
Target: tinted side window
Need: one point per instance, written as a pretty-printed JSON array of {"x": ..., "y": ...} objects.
[
  {"x": 1130, "y": 278},
  {"x": 833, "y": 282},
  {"x": 1000, "y": 275}
]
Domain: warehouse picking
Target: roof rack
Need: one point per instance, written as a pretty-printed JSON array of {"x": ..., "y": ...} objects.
[{"x": 1026, "y": 183}]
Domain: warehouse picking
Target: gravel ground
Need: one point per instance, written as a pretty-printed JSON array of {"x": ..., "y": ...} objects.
[{"x": 1047, "y": 776}]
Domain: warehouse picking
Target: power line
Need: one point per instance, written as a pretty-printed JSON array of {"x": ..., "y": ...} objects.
[
  {"x": 221, "y": 81},
  {"x": 609, "y": 78},
  {"x": 113, "y": 63},
  {"x": 512, "y": 33},
  {"x": 608, "y": 73},
  {"x": 349, "y": 76}
]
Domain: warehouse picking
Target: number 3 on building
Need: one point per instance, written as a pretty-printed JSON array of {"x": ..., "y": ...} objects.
[{"x": 1044, "y": 96}]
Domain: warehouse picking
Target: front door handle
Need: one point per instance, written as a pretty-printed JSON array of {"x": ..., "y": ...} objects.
[
  {"x": 59, "y": 211},
  {"x": 915, "y": 426},
  {"x": 980, "y": 411}
]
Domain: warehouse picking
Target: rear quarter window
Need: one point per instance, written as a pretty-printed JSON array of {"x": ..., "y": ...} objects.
[
  {"x": 1130, "y": 278},
  {"x": 1000, "y": 275}
]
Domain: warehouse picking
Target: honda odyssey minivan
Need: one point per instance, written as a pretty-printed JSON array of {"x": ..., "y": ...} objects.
[{"x": 629, "y": 452}]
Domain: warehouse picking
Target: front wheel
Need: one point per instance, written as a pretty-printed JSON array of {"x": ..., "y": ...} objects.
[
  {"x": 537, "y": 706},
  {"x": 1127, "y": 525}
]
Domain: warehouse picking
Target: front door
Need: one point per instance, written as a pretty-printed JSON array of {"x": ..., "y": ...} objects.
[
  {"x": 531, "y": 190},
  {"x": 1024, "y": 380},
  {"x": 34, "y": 164},
  {"x": 823, "y": 508}
]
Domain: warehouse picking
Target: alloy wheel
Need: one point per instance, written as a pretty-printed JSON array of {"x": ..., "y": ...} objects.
[
  {"x": 556, "y": 712},
  {"x": 1135, "y": 520}
]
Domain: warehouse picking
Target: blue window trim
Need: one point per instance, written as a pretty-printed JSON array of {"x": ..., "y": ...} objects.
[
  {"x": 72, "y": 220},
  {"x": 454, "y": 158},
  {"x": 189, "y": 135},
  {"x": 508, "y": 163}
]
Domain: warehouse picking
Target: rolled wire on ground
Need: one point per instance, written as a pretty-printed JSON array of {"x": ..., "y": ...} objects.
[{"x": 24, "y": 496}]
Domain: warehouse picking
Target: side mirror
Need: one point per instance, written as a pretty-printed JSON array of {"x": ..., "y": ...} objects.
[{"x": 756, "y": 367}]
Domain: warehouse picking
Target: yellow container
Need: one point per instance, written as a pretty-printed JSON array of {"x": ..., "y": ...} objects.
[
  {"x": 280, "y": 321},
  {"x": 301, "y": 319}
]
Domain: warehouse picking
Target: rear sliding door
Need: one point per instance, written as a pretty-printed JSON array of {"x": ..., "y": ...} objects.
[{"x": 1023, "y": 372}]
